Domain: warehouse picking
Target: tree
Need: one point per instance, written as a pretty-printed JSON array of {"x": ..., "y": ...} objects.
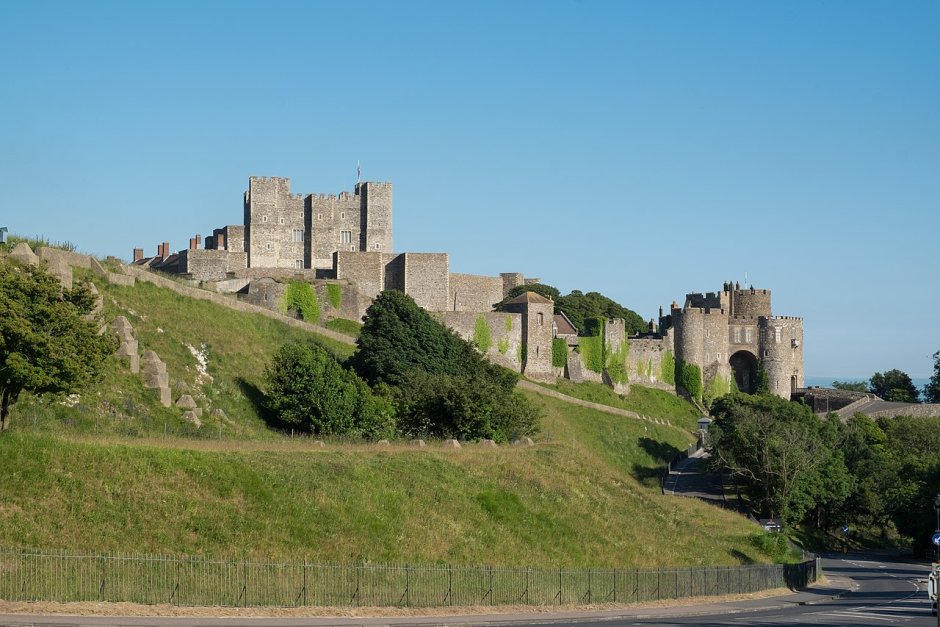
[
  {"x": 777, "y": 448},
  {"x": 308, "y": 388},
  {"x": 932, "y": 389},
  {"x": 49, "y": 336},
  {"x": 442, "y": 386},
  {"x": 580, "y": 307},
  {"x": 851, "y": 386},
  {"x": 397, "y": 337},
  {"x": 894, "y": 385}
]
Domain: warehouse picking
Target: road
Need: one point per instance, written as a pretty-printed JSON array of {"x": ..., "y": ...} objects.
[{"x": 875, "y": 591}]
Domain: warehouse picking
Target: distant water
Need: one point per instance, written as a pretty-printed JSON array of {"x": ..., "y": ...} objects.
[{"x": 827, "y": 381}]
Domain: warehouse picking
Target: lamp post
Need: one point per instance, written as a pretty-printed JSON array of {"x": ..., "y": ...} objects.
[{"x": 936, "y": 507}]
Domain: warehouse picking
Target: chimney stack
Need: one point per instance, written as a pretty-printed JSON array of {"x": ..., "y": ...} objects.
[
  {"x": 138, "y": 254},
  {"x": 166, "y": 249},
  {"x": 198, "y": 241},
  {"x": 220, "y": 242}
]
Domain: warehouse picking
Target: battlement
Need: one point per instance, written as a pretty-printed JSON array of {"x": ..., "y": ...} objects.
[
  {"x": 771, "y": 318},
  {"x": 269, "y": 179},
  {"x": 752, "y": 291},
  {"x": 706, "y": 311}
]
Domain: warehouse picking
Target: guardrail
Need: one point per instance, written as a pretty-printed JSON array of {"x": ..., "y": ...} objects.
[{"x": 63, "y": 576}]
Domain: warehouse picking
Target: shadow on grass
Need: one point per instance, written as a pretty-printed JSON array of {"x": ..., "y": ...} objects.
[
  {"x": 662, "y": 453},
  {"x": 741, "y": 557},
  {"x": 256, "y": 397}
]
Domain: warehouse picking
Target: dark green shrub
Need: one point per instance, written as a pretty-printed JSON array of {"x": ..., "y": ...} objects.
[{"x": 307, "y": 388}]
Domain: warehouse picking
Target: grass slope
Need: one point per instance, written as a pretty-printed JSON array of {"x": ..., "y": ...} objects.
[
  {"x": 642, "y": 400},
  {"x": 116, "y": 472},
  {"x": 237, "y": 347}
]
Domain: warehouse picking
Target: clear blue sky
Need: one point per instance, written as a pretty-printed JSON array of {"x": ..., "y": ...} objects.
[{"x": 643, "y": 150}]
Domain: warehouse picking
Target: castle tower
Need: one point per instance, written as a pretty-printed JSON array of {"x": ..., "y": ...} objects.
[
  {"x": 537, "y": 315},
  {"x": 274, "y": 224},
  {"x": 781, "y": 348},
  {"x": 376, "y": 216}
]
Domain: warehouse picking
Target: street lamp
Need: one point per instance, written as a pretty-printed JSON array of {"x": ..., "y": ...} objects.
[{"x": 936, "y": 507}]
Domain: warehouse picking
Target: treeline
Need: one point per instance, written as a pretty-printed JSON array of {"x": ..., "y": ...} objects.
[
  {"x": 896, "y": 385},
  {"x": 800, "y": 468},
  {"x": 411, "y": 377},
  {"x": 582, "y": 308}
]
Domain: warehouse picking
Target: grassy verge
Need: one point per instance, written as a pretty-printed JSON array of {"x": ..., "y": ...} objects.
[
  {"x": 236, "y": 347},
  {"x": 642, "y": 400}
]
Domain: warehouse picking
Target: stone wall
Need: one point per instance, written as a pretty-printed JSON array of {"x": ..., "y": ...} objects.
[
  {"x": 335, "y": 225},
  {"x": 365, "y": 271},
  {"x": 645, "y": 361},
  {"x": 750, "y": 302},
  {"x": 505, "y": 333},
  {"x": 211, "y": 265},
  {"x": 426, "y": 279},
  {"x": 471, "y": 292}
]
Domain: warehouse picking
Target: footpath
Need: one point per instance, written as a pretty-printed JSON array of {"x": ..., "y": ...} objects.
[{"x": 230, "y": 617}]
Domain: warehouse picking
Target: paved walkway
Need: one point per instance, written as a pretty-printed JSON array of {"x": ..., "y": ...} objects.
[{"x": 809, "y": 596}]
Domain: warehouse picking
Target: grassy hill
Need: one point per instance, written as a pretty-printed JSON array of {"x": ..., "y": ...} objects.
[{"x": 114, "y": 471}]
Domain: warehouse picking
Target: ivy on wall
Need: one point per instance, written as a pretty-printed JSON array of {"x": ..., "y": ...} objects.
[
  {"x": 559, "y": 353},
  {"x": 503, "y": 346},
  {"x": 616, "y": 361},
  {"x": 482, "y": 336},
  {"x": 719, "y": 386},
  {"x": 691, "y": 380},
  {"x": 667, "y": 368},
  {"x": 508, "y": 324},
  {"x": 592, "y": 352},
  {"x": 299, "y": 296},
  {"x": 334, "y": 294}
]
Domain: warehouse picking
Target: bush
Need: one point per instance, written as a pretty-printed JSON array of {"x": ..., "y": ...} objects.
[
  {"x": 464, "y": 408},
  {"x": 309, "y": 389},
  {"x": 441, "y": 385}
]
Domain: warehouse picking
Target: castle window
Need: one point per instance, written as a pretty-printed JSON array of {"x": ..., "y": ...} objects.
[
  {"x": 342, "y": 215},
  {"x": 319, "y": 216},
  {"x": 298, "y": 235},
  {"x": 264, "y": 218},
  {"x": 717, "y": 356},
  {"x": 375, "y": 246},
  {"x": 345, "y": 237},
  {"x": 736, "y": 335},
  {"x": 541, "y": 319},
  {"x": 707, "y": 333},
  {"x": 352, "y": 248},
  {"x": 747, "y": 335},
  {"x": 778, "y": 334},
  {"x": 267, "y": 246},
  {"x": 299, "y": 264},
  {"x": 280, "y": 220}
]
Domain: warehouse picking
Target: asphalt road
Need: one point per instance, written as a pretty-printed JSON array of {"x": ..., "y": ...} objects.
[{"x": 874, "y": 591}]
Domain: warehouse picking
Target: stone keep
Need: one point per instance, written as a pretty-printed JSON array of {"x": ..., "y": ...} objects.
[{"x": 285, "y": 230}]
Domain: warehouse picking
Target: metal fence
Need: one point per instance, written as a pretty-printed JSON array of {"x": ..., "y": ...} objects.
[{"x": 62, "y": 576}]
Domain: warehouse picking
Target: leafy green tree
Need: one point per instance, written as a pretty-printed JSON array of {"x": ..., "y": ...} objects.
[
  {"x": 863, "y": 444},
  {"x": 580, "y": 307},
  {"x": 442, "y": 386},
  {"x": 463, "y": 407},
  {"x": 777, "y": 448},
  {"x": 850, "y": 386},
  {"x": 306, "y": 387},
  {"x": 932, "y": 389},
  {"x": 894, "y": 385},
  {"x": 49, "y": 336},
  {"x": 397, "y": 337},
  {"x": 912, "y": 473}
]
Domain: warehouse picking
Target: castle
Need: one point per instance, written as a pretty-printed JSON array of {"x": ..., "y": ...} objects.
[
  {"x": 733, "y": 332},
  {"x": 342, "y": 245}
]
